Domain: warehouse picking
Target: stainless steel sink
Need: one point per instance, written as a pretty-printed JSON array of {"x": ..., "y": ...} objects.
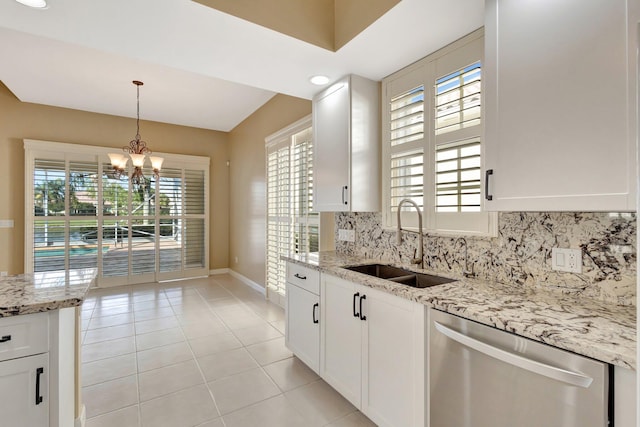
[{"x": 400, "y": 275}]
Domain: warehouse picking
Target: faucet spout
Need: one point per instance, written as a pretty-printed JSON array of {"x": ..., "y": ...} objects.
[{"x": 419, "y": 259}]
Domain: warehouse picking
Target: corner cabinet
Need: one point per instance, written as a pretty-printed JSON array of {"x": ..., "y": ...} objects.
[
  {"x": 560, "y": 105},
  {"x": 373, "y": 351},
  {"x": 346, "y": 138},
  {"x": 302, "y": 324}
]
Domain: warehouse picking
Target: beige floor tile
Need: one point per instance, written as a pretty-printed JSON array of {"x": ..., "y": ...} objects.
[
  {"x": 84, "y": 324},
  {"x": 146, "y": 326},
  {"x": 213, "y": 292},
  {"x": 159, "y": 338},
  {"x": 257, "y": 334},
  {"x": 108, "y": 369},
  {"x": 217, "y": 304},
  {"x": 355, "y": 419},
  {"x": 212, "y": 344},
  {"x": 127, "y": 417},
  {"x": 227, "y": 363},
  {"x": 267, "y": 310},
  {"x": 154, "y": 313},
  {"x": 106, "y": 334},
  {"x": 187, "y": 299},
  {"x": 274, "y": 412},
  {"x": 213, "y": 423},
  {"x": 241, "y": 322},
  {"x": 290, "y": 373},
  {"x": 196, "y": 316},
  {"x": 188, "y": 407},
  {"x": 169, "y": 379},
  {"x": 112, "y": 311},
  {"x": 319, "y": 403},
  {"x": 243, "y": 389},
  {"x": 107, "y": 321},
  {"x": 110, "y": 396},
  {"x": 279, "y": 325},
  {"x": 106, "y": 349},
  {"x": 203, "y": 328},
  {"x": 270, "y": 351},
  {"x": 150, "y": 305},
  {"x": 163, "y": 356}
]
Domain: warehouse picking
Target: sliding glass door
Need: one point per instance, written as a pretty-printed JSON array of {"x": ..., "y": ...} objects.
[{"x": 79, "y": 214}]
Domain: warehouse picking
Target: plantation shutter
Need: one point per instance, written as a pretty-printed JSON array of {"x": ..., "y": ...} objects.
[{"x": 279, "y": 217}]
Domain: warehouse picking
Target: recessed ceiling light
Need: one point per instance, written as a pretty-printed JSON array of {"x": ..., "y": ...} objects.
[
  {"x": 38, "y": 4},
  {"x": 319, "y": 80}
]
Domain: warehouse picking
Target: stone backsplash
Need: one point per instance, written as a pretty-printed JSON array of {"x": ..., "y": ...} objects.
[{"x": 521, "y": 253}]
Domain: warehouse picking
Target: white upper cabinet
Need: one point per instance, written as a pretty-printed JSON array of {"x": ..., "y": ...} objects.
[
  {"x": 346, "y": 164},
  {"x": 560, "y": 105}
]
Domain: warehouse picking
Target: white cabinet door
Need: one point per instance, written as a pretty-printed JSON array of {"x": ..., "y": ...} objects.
[
  {"x": 560, "y": 104},
  {"x": 24, "y": 391},
  {"x": 341, "y": 337},
  {"x": 302, "y": 325},
  {"x": 331, "y": 149},
  {"x": 394, "y": 360}
]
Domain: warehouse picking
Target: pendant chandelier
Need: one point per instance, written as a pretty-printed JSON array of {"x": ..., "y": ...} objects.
[{"x": 137, "y": 150}]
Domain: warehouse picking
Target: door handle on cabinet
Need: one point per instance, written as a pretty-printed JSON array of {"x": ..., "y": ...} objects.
[
  {"x": 355, "y": 297},
  {"x": 362, "y": 316},
  {"x": 487, "y": 174},
  {"x": 300, "y": 277},
  {"x": 344, "y": 199},
  {"x": 313, "y": 314},
  {"x": 39, "y": 372},
  {"x": 5, "y": 338}
]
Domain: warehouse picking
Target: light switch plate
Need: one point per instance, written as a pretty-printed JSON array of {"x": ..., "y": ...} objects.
[
  {"x": 347, "y": 235},
  {"x": 568, "y": 260}
]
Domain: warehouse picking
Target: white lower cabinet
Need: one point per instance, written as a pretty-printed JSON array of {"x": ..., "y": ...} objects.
[
  {"x": 24, "y": 391},
  {"x": 302, "y": 335},
  {"x": 372, "y": 351}
]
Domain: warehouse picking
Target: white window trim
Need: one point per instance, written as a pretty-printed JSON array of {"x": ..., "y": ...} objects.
[
  {"x": 77, "y": 152},
  {"x": 282, "y": 138},
  {"x": 425, "y": 72}
]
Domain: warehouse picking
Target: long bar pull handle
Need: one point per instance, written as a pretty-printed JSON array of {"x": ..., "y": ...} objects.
[
  {"x": 362, "y": 316},
  {"x": 39, "y": 372},
  {"x": 355, "y": 297},
  {"x": 315, "y": 307},
  {"x": 344, "y": 197},
  {"x": 540, "y": 368},
  {"x": 5, "y": 338},
  {"x": 487, "y": 174},
  {"x": 300, "y": 277}
]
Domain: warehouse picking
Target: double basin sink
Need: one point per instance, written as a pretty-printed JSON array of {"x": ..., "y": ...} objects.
[{"x": 400, "y": 275}]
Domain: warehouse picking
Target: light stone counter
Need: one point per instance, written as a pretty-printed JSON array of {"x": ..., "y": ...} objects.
[
  {"x": 34, "y": 293},
  {"x": 592, "y": 328}
]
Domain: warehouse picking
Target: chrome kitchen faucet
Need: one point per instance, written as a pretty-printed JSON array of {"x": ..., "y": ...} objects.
[{"x": 418, "y": 260}]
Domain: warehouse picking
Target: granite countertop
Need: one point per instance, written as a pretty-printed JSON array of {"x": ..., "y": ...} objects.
[
  {"x": 592, "y": 328},
  {"x": 37, "y": 292}
]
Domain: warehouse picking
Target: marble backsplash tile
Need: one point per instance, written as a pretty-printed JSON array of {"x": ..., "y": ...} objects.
[{"x": 521, "y": 253}]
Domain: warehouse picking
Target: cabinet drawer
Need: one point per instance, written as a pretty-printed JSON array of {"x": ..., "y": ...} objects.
[
  {"x": 306, "y": 278},
  {"x": 24, "y": 335}
]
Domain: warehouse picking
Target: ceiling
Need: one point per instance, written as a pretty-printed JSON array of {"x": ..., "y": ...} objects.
[{"x": 201, "y": 67}]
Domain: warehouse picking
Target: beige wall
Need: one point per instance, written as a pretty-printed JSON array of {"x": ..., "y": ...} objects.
[
  {"x": 20, "y": 121},
  {"x": 247, "y": 179},
  {"x": 329, "y": 24}
]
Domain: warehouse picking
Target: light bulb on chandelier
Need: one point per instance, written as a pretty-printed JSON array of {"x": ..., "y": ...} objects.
[{"x": 137, "y": 150}]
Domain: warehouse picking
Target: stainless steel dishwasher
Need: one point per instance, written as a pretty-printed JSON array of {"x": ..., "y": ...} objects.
[{"x": 483, "y": 377}]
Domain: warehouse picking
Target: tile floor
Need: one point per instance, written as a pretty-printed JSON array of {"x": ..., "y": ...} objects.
[{"x": 201, "y": 352}]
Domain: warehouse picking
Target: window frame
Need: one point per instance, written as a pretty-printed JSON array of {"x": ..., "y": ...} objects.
[
  {"x": 281, "y": 140},
  {"x": 69, "y": 153},
  {"x": 426, "y": 72}
]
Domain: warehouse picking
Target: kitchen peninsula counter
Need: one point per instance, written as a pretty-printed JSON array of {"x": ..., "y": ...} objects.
[
  {"x": 599, "y": 330},
  {"x": 46, "y": 291}
]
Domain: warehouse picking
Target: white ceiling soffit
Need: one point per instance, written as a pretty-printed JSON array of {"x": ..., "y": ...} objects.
[{"x": 201, "y": 67}]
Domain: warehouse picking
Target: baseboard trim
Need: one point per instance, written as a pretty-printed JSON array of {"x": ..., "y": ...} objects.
[
  {"x": 248, "y": 282},
  {"x": 82, "y": 419},
  {"x": 218, "y": 271}
]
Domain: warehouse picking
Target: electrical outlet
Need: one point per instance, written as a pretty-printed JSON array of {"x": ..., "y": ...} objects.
[
  {"x": 568, "y": 260},
  {"x": 347, "y": 235},
  {"x": 236, "y": 260},
  {"x": 3, "y": 273}
]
